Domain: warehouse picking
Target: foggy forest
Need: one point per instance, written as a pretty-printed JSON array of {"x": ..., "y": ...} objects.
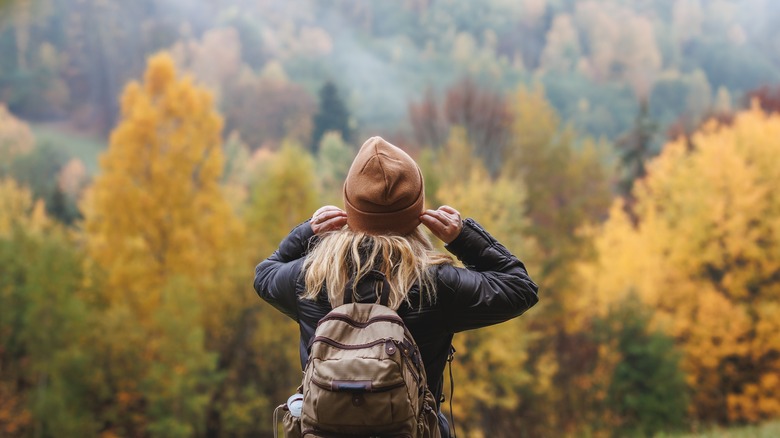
[{"x": 153, "y": 152}]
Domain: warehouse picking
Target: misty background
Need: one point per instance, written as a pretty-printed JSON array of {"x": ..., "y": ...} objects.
[
  {"x": 67, "y": 61},
  {"x": 152, "y": 152}
]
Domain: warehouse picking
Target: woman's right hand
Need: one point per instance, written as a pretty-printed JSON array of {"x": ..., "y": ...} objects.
[
  {"x": 328, "y": 218},
  {"x": 445, "y": 222}
]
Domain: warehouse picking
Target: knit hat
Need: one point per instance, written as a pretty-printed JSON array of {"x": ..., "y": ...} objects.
[{"x": 384, "y": 190}]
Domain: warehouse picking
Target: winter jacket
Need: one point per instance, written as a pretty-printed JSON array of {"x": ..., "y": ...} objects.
[{"x": 494, "y": 287}]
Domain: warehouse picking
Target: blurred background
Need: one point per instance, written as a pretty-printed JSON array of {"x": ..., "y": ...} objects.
[{"x": 153, "y": 152}]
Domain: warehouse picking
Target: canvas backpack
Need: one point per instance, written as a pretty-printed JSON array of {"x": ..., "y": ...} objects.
[{"x": 364, "y": 377}]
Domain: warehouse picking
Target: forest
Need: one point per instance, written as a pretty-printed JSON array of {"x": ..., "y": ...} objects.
[{"x": 153, "y": 152}]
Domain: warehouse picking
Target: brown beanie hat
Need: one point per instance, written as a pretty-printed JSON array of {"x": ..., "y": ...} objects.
[{"x": 384, "y": 191}]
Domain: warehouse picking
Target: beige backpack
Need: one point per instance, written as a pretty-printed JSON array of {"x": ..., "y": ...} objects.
[{"x": 364, "y": 377}]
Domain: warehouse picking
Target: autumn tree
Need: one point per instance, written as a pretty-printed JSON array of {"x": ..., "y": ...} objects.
[
  {"x": 156, "y": 217},
  {"x": 482, "y": 112},
  {"x": 767, "y": 97},
  {"x": 429, "y": 125},
  {"x": 166, "y": 158},
  {"x": 283, "y": 194},
  {"x": 567, "y": 187},
  {"x": 568, "y": 184},
  {"x": 214, "y": 61},
  {"x": 489, "y": 369},
  {"x": 268, "y": 108},
  {"x": 44, "y": 319},
  {"x": 707, "y": 231},
  {"x": 563, "y": 51},
  {"x": 635, "y": 59}
]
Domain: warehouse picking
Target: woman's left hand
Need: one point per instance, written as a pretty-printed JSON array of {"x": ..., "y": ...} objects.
[
  {"x": 328, "y": 218},
  {"x": 444, "y": 222}
]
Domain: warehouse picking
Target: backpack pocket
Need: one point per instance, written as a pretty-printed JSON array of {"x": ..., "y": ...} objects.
[
  {"x": 291, "y": 426},
  {"x": 428, "y": 423},
  {"x": 376, "y": 400}
]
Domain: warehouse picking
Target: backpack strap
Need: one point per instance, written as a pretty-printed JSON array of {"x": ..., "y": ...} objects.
[
  {"x": 384, "y": 297},
  {"x": 450, "y": 358}
]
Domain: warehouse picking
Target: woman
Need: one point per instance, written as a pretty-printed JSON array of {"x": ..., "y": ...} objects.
[{"x": 379, "y": 231}]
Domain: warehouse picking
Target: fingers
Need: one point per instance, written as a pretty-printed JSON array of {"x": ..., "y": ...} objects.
[
  {"x": 325, "y": 208},
  {"x": 445, "y": 214},
  {"x": 445, "y": 222},
  {"x": 328, "y": 218},
  {"x": 431, "y": 222},
  {"x": 449, "y": 209}
]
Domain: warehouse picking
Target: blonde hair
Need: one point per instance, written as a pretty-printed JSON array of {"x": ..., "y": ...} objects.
[{"x": 345, "y": 255}]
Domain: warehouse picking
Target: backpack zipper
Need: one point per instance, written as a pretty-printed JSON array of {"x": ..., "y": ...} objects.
[
  {"x": 353, "y": 323},
  {"x": 337, "y": 344},
  {"x": 385, "y": 388},
  {"x": 411, "y": 367}
]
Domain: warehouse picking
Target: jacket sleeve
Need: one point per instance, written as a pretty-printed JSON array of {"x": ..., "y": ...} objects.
[
  {"x": 493, "y": 288},
  {"x": 276, "y": 276}
]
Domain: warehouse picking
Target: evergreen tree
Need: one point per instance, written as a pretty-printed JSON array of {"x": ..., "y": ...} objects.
[
  {"x": 635, "y": 148},
  {"x": 647, "y": 391},
  {"x": 332, "y": 115}
]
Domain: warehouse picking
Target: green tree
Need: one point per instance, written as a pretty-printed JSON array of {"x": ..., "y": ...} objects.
[
  {"x": 44, "y": 321},
  {"x": 646, "y": 392},
  {"x": 635, "y": 149},
  {"x": 37, "y": 170},
  {"x": 284, "y": 193},
  {"x": 332, "y": 115},
  {"x": 181, "y": 374},
  {"x": 282, "y": 196},
  {"x": 333, "y": 161}
]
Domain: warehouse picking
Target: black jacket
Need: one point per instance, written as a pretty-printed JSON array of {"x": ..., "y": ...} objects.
[{"x": 495, "y": 287}]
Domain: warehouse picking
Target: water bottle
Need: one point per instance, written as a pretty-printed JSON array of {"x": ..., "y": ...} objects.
[{"x": 295, "y": 404}]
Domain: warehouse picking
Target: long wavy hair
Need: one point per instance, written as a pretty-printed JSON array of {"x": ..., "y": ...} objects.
[{"x": 344, "y": 255}]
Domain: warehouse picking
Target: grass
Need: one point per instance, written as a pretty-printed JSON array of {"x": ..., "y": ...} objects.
[
  {"x": 85, "y": 148},
  {"x": 766, "y": 430}
]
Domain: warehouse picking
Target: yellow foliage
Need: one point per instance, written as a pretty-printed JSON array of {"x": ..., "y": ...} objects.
[
  {"x": 490, "y": 363},
  {"x": 18, "y": 209},
  {"x": 498, "y": 204},
  {"x": 284, "y": 193},
  {"x": 156, "y": 210},
  {"x": 706, "y": 256}
]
